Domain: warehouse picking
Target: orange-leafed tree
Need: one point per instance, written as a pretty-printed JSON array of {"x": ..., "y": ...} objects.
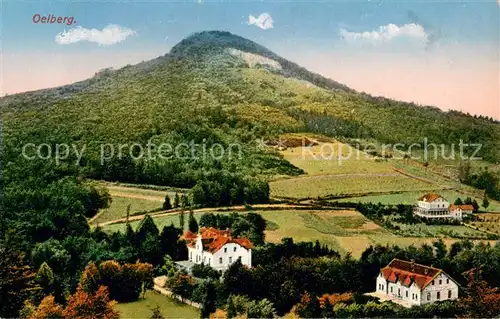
[
  {"x": 85, "y": 305},
  {"x": 482, "y": 300},
  {"x": 47, "y": 309},
  {"x": 308, "y": 307},
  {"x": 17, "y": 282},
  {"x": 333, "y": 299},
  {"x": 90, "y": 278}
]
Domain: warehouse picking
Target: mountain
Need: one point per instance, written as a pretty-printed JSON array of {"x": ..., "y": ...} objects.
[{"x": 217, "y": 88}]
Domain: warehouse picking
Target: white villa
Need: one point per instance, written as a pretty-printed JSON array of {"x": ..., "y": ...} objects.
[
  {"x": 217, "y": 248},
  {"x": 435, "y": 206},
  {"x": 410, "y": 284}
]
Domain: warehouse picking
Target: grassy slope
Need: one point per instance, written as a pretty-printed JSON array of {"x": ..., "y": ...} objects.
[
  {"x": 142, "y": 308},
  {"x": 345, "y": 231}
]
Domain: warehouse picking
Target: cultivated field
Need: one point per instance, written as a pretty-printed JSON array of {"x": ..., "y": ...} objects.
[
  {"x": 141, "y": 200},
  {"x": 334, "y": 158},
  {"x": 169, "y": 308},
  {"x": 489, "y": 222},
  {"x": 118, "y": 208},
  {"x": 339, "y": 185},
  {"x": 334, "y": 168}
]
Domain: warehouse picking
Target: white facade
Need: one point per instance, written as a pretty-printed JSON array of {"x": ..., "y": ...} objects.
[
  {"x": 433, "y": 206},
  {"x": 442, "y": 288},
  {"x": 221, "y": 258},
  {"x": 415, "y": 292}
]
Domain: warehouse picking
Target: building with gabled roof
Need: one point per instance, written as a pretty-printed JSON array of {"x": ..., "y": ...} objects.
[
  {"x": 217, "y": 248},
  {"x": 409, "y": 284},
  {"x": 434, "y": 206}
]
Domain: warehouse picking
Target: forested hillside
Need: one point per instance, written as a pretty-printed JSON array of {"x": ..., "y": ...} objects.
[{"x": 203, "y": 92}]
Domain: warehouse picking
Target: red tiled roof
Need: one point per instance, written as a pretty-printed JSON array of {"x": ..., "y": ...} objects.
[
  {"x": 430, "y": 197},
  {"x": 462, "y": 207},
  {"x": 244, "y": 242},
  {"x": 214, "y": 239},
  {"x": 189, "y": 235},
  {"x": 408, "y": 272}
]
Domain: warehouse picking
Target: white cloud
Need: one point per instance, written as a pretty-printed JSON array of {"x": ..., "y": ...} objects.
[
  {"x": 111, "y": 34},
  {"x": 386, "y": 33},
  {"x": 264, "y": 21}
]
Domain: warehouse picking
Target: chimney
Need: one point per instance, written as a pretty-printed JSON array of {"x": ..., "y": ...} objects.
[{"x": 412, "y": 265}]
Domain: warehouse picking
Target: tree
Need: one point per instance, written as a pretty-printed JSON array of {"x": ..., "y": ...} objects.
[
  {"x": 90, "y": 279},
  {"x": 146, "y": 227},
  {"x": 17, "y": 282},
  {"x": 486, "y": 202},
  {"x": 45, "y": 278},
  {"x": 150, "y": 250},
  {"x": 168, "y": 269},
  {"x": 181, "y": 219},
  {"x": 458, "y": 201},
  {"x": 192, "y": 223},
  {"x": 156, "y": 313},
  {"x": 237, "y": 305},
  {"x": 184, "y": 201},
  {"x": 166, "y": 204},
  {"x": 482, "y": 301},
  {"x": 171, "y": 243},
  {"x": 110, "y": 273},
  {"x": 208, "y": 220},
  {"x": 475, "y": 204},
  {"x": 208, "y": 299},
  {"x": 181, "y": 285},
  {"x": 176, "y": 200},
  {"x": 47, "y": 309},
  {"x": 85, "y": 305},
  {"x": 236, "y": 277},
  {"x": 261, "y": 309}
]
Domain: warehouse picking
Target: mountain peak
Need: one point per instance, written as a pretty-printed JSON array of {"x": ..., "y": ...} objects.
[
  {"x": 206, "y": 43},
  {"x": 215, "y": 40}
]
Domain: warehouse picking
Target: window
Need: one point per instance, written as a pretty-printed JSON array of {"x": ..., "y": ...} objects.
[
  {"x": 428, "y": 296},
  {"x": 447, "y": 281},
  {"x": 225, "y": 249},
  {"x": 438, "y": 295},
  {"x": 220, "y": 260},
  {"x": 433, "y": 282},
  {"x": 449, "y": 294},
  {"x": 230, "y": 259},
  {"x": 407, "y": 294},
  {"x": 391, "y": 289},
  {"x": 440, "y": 281},
  {"x": 234, "y": 249},
  {"x": 399, "y": 292}
]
